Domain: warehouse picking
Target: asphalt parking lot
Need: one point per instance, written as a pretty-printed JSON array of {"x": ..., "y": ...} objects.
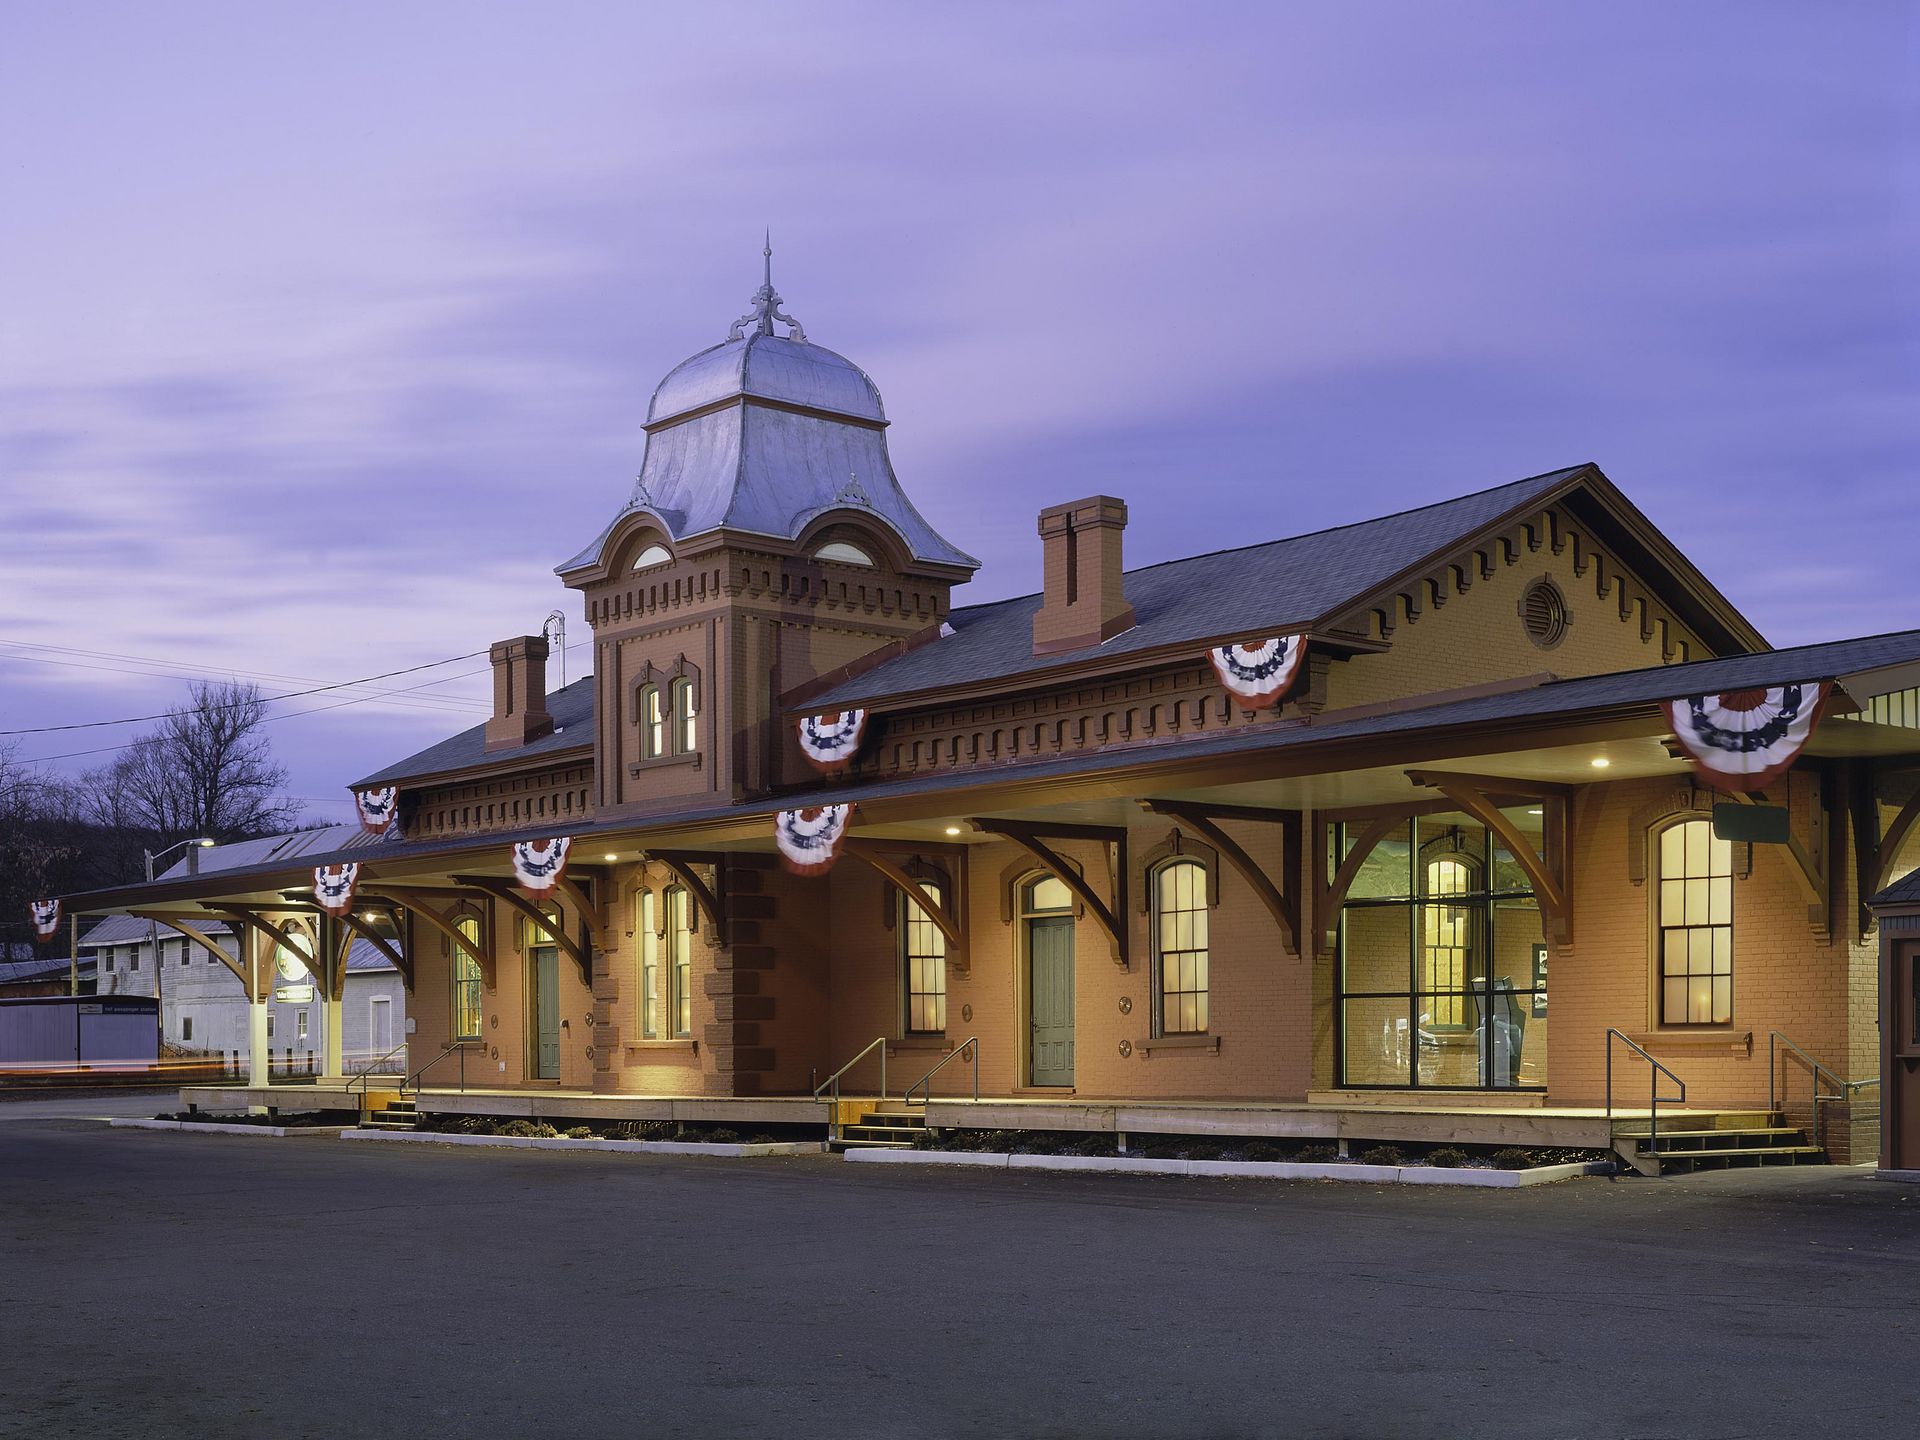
[{"x": 170, "y": 1284}]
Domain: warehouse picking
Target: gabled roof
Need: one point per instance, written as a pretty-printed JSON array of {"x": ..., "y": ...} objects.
[
  {"x": 1904, "y": 891},
  {"x": 572, "y": 711},
  {"x": 1281, "y": 586}
]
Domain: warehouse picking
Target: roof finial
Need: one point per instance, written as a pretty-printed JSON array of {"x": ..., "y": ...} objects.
[{"x": 766, "y": 305}]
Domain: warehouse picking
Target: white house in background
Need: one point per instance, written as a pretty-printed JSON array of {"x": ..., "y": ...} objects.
[{"x": 204, "y": 1006}]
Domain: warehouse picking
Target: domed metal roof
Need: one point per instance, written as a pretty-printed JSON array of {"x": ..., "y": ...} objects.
[
  {"x": 767, "y": 367},
  {"x": 765, "y": 432}
]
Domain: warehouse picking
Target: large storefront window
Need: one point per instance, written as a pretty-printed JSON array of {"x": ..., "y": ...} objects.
[{"x": 1442, "y": 969}]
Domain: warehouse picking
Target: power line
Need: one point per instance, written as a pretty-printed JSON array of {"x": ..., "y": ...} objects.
[
  {"x": 424, "y": 702},
  {"x": 237, "y": 704}
]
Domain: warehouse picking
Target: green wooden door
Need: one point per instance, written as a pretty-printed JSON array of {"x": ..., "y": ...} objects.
[
  {"x": 1050, "y": 998},
  {"x": 546, "y": 1012}
]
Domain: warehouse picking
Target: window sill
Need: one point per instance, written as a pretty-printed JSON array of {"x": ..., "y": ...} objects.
[
  {"x": 660, "y": 762},
  {"x": 1724, "y": 1038},
  {"x": 1202, "y": 1044},
  {"x": 688, "y": 1046},
  {"x": 919, "y": 1042}
]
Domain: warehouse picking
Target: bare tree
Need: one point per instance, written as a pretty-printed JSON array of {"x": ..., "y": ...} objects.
[
  {"x": 41, "y": 847},
  {"x": 206, "y": 770}
]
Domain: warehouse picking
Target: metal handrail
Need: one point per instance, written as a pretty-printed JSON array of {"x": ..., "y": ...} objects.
[
  {"x": 1845, "y": 1088},
  {"x": 361, "y": 1075},
  {"x": 833, "y": 1081},
  {"x": 970, "y": 1044},
  {"x": 1653, "y": 1084},
  {"x": 413, "y": 1081}
]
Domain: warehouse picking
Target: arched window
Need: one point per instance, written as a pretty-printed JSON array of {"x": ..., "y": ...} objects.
[
  {"x": 466, "y": 982},
  {"x": 651, "y": 556},
  {"x": 1696, "y": 925},
  {"x": 653, "y": 724},
  {"x": 647, "y": 928},
  {"x": 1446, "y": 940},
  {"x": 680, "y": 961},
  {"x": 923, "y": 963},
  {"x": 844, "y": 553},
  {"x": 686, "y": 717},
  {"x": 1180, "y": 946}
]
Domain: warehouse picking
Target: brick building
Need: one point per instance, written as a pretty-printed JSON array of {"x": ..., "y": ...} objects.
[{"x": 1456, "y": 875}]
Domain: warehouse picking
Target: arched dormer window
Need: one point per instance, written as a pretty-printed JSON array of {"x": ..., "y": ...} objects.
[
  {"x": 651, "y": 556},
  {"x": 844, "y": 553}
]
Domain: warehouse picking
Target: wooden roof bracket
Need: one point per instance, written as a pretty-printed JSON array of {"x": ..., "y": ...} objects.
[
  {"x": 1330, "y": 891},
  {"x": 206, "y": 943},
  {"x": 706, "y": 899},
  {"x": 1551, "y": 867},
  {"x": 415, "y": 902},
  {"x": 1283, "y": 899},
  {"x": 244, "y": 917},
  {"x": 508, "y": 893},
  {"x": 1033, "y": 839},
  {"x": 948, "y": 916},
  {"x": 400, "y": 962}
]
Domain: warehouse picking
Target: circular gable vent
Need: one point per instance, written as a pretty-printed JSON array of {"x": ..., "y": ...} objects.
[{"x": 1543, "y": 610}]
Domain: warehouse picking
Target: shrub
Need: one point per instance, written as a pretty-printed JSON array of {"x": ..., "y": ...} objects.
[
  {"x": 1262, "y": 1150},
  {"x": 1384, "y": 1155},
  {"x": 1511, "y": 1158},
  {"x": 580, "y": 1132},
  {"x": 1203, "y": 1150},
  {"x": 1093, "y": 1145},
  {"x": 762, "y": 1139},
  {"x": 721, "y": 1135},
  {"x": 1161, "y": 1150},
  {"x": 1447, "y": 1157},
  {"x": 1317, "y": 1154}
]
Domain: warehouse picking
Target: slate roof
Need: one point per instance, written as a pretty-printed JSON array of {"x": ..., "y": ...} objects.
[
  {"x": 1905, "y": 891},
  {"x": 572, "y": 711},
  {"x": 1517, "y": 709},
  {"x": 1275, "y": 587}
]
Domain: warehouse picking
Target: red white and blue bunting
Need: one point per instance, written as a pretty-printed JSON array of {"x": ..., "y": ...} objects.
[
  {"x": 333, "y": 886},
  {"x": 810, "y": 839},
  {"x": 830, "y": 742},
  {"x": 538, "y": 864},
  {"x": 378, "y": 808},
  {"x": 46, "y": 917},
  {"x": 1259, "y": 672},
  {"x": 1746, "y": 739}
]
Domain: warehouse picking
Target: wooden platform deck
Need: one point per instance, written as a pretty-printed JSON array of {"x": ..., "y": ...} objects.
[{"x": 1318, "y": 1118}]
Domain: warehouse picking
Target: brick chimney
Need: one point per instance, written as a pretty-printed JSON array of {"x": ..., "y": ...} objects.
[
  {"x": 1084, "y": 603},
  {"x": 519, "y": 692}
]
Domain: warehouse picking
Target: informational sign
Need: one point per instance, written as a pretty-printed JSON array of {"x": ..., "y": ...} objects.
[
  {"x": 294, "y": 994},
  {"x": 1754, "y": 824},
  {"x": 1539, "y": 980}
]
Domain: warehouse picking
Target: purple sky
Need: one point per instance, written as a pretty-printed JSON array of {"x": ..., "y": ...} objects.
[{"x": 328, "y": 331}]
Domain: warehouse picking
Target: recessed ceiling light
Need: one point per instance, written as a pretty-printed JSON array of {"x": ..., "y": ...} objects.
[
  {"x": 1538, "y": 810},
  {"x": 953, "y": 829},
  {"x": 611, "y": 856},
  {"x": 1600, "y": 762}
]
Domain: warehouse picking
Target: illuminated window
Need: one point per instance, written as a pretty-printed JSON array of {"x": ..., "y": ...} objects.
[
  {"x": 924, "y": 964},
  {"x": 651, "y": 556},
  {"x": 467, "y": 981},
  {"x": 1696, "y": 926},
  {"x": 1180, "y": 935},
  {"x": 680, "y": 961},
  {"x": 653, "y": 724},
  {"x": 1446, "y": 937},
  {"x": 685, "y": 718},
  {"x": 647, "y": 924},
  {"x": 844, "y": 553}
]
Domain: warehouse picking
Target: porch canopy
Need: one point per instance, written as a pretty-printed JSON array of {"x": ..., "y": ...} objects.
[{"x": 1526, "y": 735}]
